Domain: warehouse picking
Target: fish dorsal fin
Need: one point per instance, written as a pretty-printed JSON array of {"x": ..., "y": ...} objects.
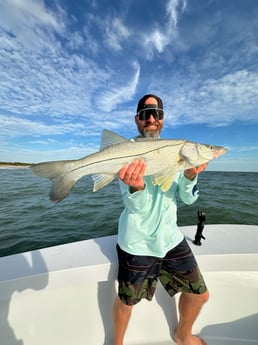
[{"x": 110, "y": 138}]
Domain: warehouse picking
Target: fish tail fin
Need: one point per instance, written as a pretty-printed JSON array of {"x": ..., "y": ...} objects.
[
  {"x": 61, "y": 187},
  {"x": 101, "y": 180},
  {"x": 61, "y": 176}
]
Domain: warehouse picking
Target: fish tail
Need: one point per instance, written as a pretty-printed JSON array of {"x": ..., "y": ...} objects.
[{"x": 60, "y": 175}]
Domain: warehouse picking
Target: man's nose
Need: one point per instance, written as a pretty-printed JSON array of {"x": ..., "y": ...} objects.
[{"x": 151, "y": 118}]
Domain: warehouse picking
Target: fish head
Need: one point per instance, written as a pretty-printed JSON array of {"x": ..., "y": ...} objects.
[{"x": 197, "y": 154}]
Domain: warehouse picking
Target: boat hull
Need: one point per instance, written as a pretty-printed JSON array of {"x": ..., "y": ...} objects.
[{"x": 64, "y": 294}]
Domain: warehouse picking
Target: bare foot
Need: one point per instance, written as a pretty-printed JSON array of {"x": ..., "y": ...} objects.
[{"x": 192, "y": 340}]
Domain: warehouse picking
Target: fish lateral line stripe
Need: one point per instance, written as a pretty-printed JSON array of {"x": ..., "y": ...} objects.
[
  {"x": 105, "y": 160},
  {"x": 129, "y": 156}
]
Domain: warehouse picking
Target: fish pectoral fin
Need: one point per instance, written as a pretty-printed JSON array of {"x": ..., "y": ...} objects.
[
  {"x": 101, "y": 180},
  {"x": 165, "y": 182}
]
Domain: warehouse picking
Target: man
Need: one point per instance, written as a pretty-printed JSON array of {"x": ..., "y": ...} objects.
[{"x": 148, "y": 233}]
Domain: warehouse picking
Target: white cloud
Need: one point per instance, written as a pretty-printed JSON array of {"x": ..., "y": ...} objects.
[
  {"x": 161, "y": 36},
  {"x": 11, "y": 126},
  {"x": 51, "y": 80},
  {"x": 46, "y": 82},
  {"x": 116, "y": 33},
  {"x": 110, "y": 99},
  {"x": 250, "y": 148},
  {"x": 76, "y": 40},
  {"x": 214, "y": 101},
  {"x": 21, "y": 154},
  {"x": 156, "y": 39},
  {"x": 28, "y": 19},
  {"x": 173, "y": 9},
  {"x": 70, "y": 74},
  {"x": 232, "y": 97}
]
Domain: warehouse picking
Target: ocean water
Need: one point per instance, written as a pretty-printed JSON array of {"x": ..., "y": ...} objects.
[{"x": 29, "y": 220}]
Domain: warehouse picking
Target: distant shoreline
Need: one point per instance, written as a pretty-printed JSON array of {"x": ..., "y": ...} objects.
[
  {"x": 16, "y": 165},
  {"x": 20, "y": 165}
]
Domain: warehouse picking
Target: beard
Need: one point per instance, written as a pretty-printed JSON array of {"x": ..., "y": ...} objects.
[{"x": 151, "y": 133}]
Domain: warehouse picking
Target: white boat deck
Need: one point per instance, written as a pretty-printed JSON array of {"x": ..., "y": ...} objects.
[{"x": 64, "y": 294}]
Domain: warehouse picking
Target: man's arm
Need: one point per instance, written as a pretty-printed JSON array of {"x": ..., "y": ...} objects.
[{"x": 187, "y": 185}]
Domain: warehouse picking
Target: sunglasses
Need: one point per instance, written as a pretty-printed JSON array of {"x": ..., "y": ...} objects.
[{"x": 145, "y": 114}]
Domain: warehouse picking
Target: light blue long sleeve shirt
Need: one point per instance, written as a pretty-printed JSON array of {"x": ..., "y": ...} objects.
[{"x": 148, "y": 223}]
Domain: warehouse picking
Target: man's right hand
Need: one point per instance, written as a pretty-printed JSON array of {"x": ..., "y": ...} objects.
[{"x": 132, "y": 175}]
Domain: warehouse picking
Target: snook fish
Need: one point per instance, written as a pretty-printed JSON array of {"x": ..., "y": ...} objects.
[{"x": 162, "y": 157}]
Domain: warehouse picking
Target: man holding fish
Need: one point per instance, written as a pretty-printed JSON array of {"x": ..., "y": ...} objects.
[
  {"x": 152, "y": 173},
  {"x": 150, "y": 245}
]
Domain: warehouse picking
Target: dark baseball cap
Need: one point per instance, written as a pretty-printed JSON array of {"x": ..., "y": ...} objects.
[{"x": 141, "y": 102}]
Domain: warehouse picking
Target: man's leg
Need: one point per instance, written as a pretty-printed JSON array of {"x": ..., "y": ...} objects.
[
  {"x": 121, "y": 317},
  {"x": 137, "y": 278},
  {"x": 180, "y": 273},
  {"x": 190, "y": 305}
]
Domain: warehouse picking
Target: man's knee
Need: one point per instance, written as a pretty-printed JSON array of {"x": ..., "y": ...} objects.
[
  {"x": 119, "y": 304},
  {"x": 202, "y": 298},
  {"x": 205, "y": 296}
]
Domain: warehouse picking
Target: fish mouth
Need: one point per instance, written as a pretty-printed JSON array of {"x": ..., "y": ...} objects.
[{"x": 220, "y": 152}]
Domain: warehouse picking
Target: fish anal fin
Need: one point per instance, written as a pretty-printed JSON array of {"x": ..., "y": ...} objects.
[
  {"x": 110, "y": 138},
  {"x": 165, "y": 182},
  {"x": 101, "y": 180},
  {"x": 165, "y": 179}
]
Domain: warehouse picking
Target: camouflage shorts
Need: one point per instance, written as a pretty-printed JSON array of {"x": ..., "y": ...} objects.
[{"x": 177, "y": 272}]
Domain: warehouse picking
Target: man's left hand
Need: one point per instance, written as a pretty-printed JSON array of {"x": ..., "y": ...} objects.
[{"x": 193, "y": 172}]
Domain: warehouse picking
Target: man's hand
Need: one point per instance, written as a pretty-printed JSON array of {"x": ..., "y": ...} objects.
[
  {"x": 132, "y": 175},
  {"x": 191, "y": 173}
]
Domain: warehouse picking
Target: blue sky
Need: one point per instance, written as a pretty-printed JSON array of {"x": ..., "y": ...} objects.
[{"x": 69, "y": 69}]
